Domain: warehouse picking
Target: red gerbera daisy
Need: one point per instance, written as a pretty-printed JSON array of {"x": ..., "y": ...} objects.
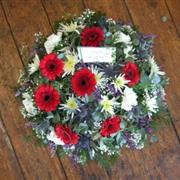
[
  {"x": 66, "y": 134},
  {"x": 132, "y": 74},
  {"x": 47, "y": 98},
  {"x": 51, "y": 66},
  {"x": 83, "y": 82},
  {"x": 93, "y": 36},
  {"x": 110, "y": 126}
]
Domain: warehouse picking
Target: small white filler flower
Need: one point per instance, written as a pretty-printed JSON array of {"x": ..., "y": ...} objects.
[
  {"x": 34, "y": 66},
  {"x": 29, "y": 105}
]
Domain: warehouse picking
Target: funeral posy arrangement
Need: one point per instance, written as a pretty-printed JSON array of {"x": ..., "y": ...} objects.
[{"x": 92, "y": 88}]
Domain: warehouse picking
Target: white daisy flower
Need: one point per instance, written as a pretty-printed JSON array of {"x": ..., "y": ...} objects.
[
  {"x": 98, "y": 75},
  {"x": 120, "y": 82},
  {"x": 71, "y": 106},
  {"x": 34, "y": 66},
  {"x": 69, "y": 64},
  {"x": 155, "y": 70},
  {"x": 70, "y": 27},
  {"x": 108, "y": 104},
  {"x": 129, "y": 99}
]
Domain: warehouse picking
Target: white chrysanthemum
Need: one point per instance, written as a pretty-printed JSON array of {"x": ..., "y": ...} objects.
[
  {"x": 52, "y": 41},
  {"x": 151, "y": 102},
  {"x": 129, "y": 99},
  {"x": 120, "y": 82},
  {"x": 98, "y": 75},
  {"x": 51, "y": 136},
  {"x": 124, "y": 38},
  {"x": 71, "y": 106},
  {"x": 34, "y": 66},
  {"x": 108, "y": 104},
  {"x": 73, "y": 26},
  {"x": 155, "y": 70},
  {"x": 69, "y": 64},
  {"x": 29, "y": 105}
]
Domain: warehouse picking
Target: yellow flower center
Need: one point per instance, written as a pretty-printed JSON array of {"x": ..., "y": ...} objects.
[{"x": 71, "y": 104}]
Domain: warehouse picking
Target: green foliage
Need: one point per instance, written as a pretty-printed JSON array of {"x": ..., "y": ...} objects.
[
  {"x": 161, "y": 119},
  {"x": 105, "y": 160}
]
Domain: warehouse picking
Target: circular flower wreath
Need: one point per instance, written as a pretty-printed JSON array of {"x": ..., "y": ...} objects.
[{"x": 92, "y": 110}]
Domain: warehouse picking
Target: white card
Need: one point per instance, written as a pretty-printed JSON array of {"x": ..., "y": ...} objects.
[{"x": 97, "y": 54}]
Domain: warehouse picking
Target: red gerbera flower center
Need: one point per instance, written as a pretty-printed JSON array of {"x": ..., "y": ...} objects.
[
  {"x": 47, "y": 98},
  {"x": 92, "y": 36},
  {"x": 51, "y": 66},
  {"x": 83, "y": 82}
]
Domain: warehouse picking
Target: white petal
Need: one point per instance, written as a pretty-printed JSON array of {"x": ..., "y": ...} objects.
[{"x": 51, "y": 42}]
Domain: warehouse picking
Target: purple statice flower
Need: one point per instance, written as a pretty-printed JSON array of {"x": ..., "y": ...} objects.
[
  {"x": 112, "y": 89},
  {"x": 18, "y": 93},
  {"x": 81, "y": 65},
  {"x": 84, "y": 142},
  {"x": 32, "y": 125},
  {"x": 145, "y": 45},
  {"x": 85, "y": 113},
  {"x": 111, "y": 70},
  {"x": 128, "y": 137},
  {"x": 22, "y": 88},
  {"x": 41, "y": 50},
  {"x": 97, "y": 95},
  {"x": 145, "y": 122},
  {"x": 52, "y": 147},
  {"x": 28, "y": 125}
]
